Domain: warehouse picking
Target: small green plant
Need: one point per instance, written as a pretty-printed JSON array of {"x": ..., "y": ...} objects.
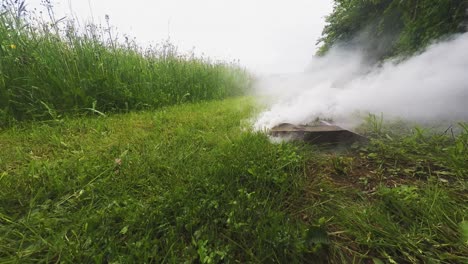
[
  {"x": 374, "y": 124},
  {"x": 342, "y": 166}
]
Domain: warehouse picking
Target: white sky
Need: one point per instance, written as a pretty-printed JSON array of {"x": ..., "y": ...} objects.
[{"x": 267, "y": 36}]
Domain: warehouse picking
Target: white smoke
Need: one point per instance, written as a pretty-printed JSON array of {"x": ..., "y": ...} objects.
[{"x": 431, "y": 86}]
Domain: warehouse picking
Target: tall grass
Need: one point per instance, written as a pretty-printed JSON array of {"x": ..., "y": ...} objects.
[{"x": 49, "y": 67}]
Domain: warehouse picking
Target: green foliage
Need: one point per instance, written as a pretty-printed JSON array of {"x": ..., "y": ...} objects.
[
  {"x": 423, "y": 152},
  {"x": 190, "y": 184},
  {"x": 181, "y": 184},
  {"x": 48, "y": 69},
  {"x": 387, "y": 28}
]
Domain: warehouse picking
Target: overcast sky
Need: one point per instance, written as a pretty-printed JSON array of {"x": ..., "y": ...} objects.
[{"x": 267, "y": 36}]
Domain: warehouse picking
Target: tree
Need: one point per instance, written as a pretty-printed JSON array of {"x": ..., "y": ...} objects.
[{"x": 389, "y": 28}]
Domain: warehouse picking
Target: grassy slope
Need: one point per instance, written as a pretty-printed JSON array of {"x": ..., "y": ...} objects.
[{"x": 190, "y": 182}]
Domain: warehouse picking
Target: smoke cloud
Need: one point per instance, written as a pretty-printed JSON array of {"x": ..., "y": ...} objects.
[{"x": 431, "y": 86}]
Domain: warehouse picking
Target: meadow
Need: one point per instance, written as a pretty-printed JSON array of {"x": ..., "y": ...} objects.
[
  {"x": 114, "y": 154},
  {"x": 50, "y": 69},
  {"x": 192, "y": 183}
]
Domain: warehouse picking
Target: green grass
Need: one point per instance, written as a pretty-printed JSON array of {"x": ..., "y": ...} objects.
[
  {"x": 192, "y": 183},
  {"x": 50, "y": 68}
]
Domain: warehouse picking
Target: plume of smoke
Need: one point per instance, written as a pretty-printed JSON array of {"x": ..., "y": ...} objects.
[{"x": 431, "y": 86}]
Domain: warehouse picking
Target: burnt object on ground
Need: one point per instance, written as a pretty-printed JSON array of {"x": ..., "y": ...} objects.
[{"x": 319, "y": 133}]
